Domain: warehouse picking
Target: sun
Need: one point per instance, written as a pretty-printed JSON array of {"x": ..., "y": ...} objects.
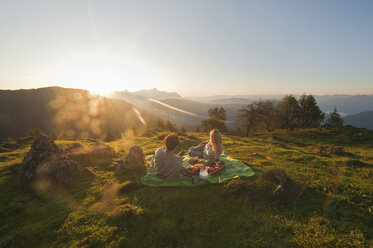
[{"x": 103, "y": 76}]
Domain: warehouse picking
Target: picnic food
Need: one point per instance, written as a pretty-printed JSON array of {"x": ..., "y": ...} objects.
[
  {"x": 193, "y": 160},
  {"x": 191, "y": 171},
  {"x": 216, "y": 168},
  {"x": 211, "y": 166}
]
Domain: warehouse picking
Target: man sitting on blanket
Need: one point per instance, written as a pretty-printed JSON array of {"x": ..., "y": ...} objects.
[{"x": 166, "y": 163}]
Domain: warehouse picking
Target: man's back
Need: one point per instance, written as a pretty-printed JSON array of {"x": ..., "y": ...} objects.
[{"x": 166, "y": 165}]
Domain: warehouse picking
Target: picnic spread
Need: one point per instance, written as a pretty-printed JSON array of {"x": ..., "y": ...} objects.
[{"x": 219, "y": 171}]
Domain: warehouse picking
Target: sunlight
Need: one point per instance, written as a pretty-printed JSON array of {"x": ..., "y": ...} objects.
[
  {"x": 99, "y": 78},
  {"x": 104, "y": 75}
]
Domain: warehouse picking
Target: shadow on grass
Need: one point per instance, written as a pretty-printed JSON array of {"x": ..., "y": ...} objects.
[{"x": 31, "y": 214}]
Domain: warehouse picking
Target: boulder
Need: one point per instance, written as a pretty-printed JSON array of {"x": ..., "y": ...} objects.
[
  {"x": 331, "y": 150},
  {"x": 48, "y": 161},
  {"x": 61, "y": 171},
  {"x": 133, "y": 163}
]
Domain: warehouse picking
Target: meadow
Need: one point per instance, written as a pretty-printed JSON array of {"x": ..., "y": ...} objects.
[{"x": 328, "y": 201}]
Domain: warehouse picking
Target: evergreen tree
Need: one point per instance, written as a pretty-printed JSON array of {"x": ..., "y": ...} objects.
[
  {"x": 198, "y": 129},
  {"x": 334, "y": 119},
  {"x": 107, "y": 137},
  {"x": 267, "y": 114},
  {"x": 249, "y": 116},
  {"x": 288, "y": 111},
  {"x": 170, "y": 126},
  {"x": 34, "y": 132},
  {"x": 160, "y": 124},
  {"x": 310, "y": 114},
  {"x": 217, "y": 119}
]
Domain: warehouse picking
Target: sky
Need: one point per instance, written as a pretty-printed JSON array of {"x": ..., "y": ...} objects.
[{"x": 192, "y": 47}]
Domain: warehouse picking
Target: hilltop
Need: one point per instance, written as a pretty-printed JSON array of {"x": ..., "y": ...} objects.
[
  {"x": 67, "y": 113},
  {"x": 327, "y": 203}
]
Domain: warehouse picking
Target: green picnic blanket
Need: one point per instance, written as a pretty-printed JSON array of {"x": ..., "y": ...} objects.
[{"x": 234, "y": 169}]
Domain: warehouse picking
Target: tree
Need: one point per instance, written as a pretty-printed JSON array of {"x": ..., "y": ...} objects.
[
  {"x": 217, "y": 113},
  {"x": 160, "y": 124},
  {"x": 217, "y": 119},
  {"x": 198, "y": 129},
  {"x": 34, "y": 132},
  {"x": 170, "y": 126},
  {"x": 267, "y": 111},
  {"x": 183, "y": 130},
  {"x": 249, "y": 116},
  {"x": 108, "y": 137},
  {"x": 334, "y": 119},
  {"x": 288, "y": 111},
  {"x": 310, "y": 114}
]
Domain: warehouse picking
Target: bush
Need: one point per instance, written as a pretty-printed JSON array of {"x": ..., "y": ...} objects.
[
  {"x": 34, "y": 132},
  {"x": 108, "y": 137}
]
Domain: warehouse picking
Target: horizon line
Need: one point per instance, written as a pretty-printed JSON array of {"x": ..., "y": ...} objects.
[{"x": 191, "y": 97}]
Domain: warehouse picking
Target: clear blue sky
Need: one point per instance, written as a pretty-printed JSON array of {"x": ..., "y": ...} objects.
[{"x": 191, "y": 47}]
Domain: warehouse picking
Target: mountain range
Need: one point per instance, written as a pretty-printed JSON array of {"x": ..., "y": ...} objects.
[
  {"x": 363, "y": 119},
  {"x": 67, "y": 113},
  {"x": 74, "y": 112},
  {"x": 188, "y": 112}
]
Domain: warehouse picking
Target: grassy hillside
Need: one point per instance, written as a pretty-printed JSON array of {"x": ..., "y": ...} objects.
[{"x": 328, "y": 202}]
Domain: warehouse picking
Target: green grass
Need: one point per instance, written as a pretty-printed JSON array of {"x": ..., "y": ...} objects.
[{"x": 105, "y": 209}]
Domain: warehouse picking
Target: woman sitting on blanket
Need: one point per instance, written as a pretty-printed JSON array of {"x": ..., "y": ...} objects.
[{"x": 210, "y": 149}]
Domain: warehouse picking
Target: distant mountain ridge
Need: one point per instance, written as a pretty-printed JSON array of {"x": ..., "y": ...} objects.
[
  {"x": 345, "y": 104},
  {"x": 74, "y": 112},
  {"x": 140, "y": 97},
  {"x": 362, "y": 120},
  {"x": 156, "y": 94},
  {"x": 189, "y": 113},
  {"x": 67, "y": 112}
]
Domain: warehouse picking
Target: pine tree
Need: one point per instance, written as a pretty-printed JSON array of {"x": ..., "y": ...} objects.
[
  {"x": 334, "y": 119},
  {"x": 249, "y": 116},
  {"x": 310, "y": 114},
  {"x": 217, "y": 119},
  {"x": 198, "y": 129},
  {"x": 160, "y": 124},
  {"x": 288, "y": 111}
]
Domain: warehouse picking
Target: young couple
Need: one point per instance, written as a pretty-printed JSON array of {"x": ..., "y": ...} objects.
[{"x": 167, "y": 164}]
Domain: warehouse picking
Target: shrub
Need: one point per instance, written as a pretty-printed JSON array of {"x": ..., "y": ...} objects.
[{"x": 33, "y": 132}]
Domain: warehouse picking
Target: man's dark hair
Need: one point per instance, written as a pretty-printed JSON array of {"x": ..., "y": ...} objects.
[{"x": 171, "y": 141}]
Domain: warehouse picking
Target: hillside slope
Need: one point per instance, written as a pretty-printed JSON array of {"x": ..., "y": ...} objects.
[
  {"x": 189, "y": 113},
  {"x": 327, "y": 201},
  {"x": 363, "y": 119},
  {"x": 66, "y": 112},
  {"x": 182, "y": 112}
]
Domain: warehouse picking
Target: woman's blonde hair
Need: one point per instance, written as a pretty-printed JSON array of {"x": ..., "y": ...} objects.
[{"x": 216, "y": 141}]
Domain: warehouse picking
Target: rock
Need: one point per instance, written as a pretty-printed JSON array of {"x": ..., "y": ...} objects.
[
  {"x": 48, "y": 161},
  {"x": 134, "y": 162},
  {"x": 330, "y": 150},
  {"x": 74, "y": 146},
  {"x": 279, "y": 177},
  {"x": 61, "y": 171}
]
